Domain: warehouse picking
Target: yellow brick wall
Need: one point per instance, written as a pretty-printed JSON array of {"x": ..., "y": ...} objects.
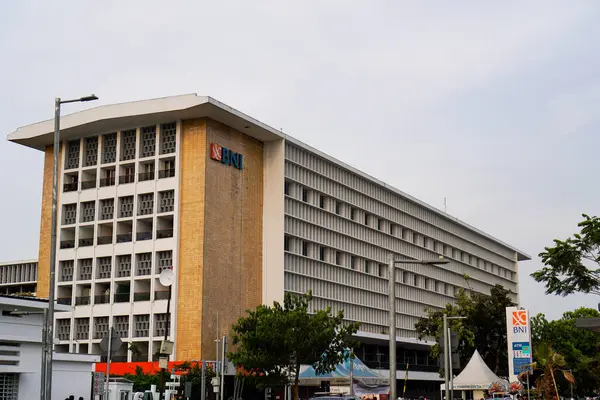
[
  {"x": 233, "y": 234},
  {"x": 191, "y": 240},
  {"x": 43, "y": 284}
]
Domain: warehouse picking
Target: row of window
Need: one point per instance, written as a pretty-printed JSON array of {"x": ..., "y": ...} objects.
[
  {"x": 14, "y": 273},
  {"x": 332, "y": 256},
  {"x": 106, "y": 209},
  {"x": 129, "y": 147},
  {"x": 360, "y": 216},
  {"x": 127, "y": 174},
  {"x": 84, "y": 269},
  {"x": 367, "y": 191},
  {"x": 121, "y": 324}
]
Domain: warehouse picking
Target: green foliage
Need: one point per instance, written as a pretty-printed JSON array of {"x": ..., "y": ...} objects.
[
  {"x": 551, "y": 364},
  {"x": 483, "y": 329},
  {"x": 572, "y": 265},
  {"x": 273, "y": 342},
  {"x": 142, "y": 381},
  {"x": 579, "y": 347}
]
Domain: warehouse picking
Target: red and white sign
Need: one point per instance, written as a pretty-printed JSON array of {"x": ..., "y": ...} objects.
[
  {"x": 519, "y": 318},
  {"x": 216, "y": 152}
]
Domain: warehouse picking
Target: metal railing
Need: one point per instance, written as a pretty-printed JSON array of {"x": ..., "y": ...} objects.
[
  {"x": 143, "y": 236},
  {"x": 83, "y": 300},
  {"x": 161, "y": 295},
  {"x": 104, "y": 239},
  {"x": 166, "y": 173},
  {"x": 145, "y": 176},
  {"x": 122, "y": 297},
  {"x": 70, "y": 187},
  {"x": 102, "y": 299},
  {"x": 164, "y": 233},
  {"x": 141, "y": 296},
  {"x": 107, "y": 182},
  {"x": 126, "y": 179},
  {"x": 86, "y": 242},
  {"x": 124, "y": 237},
  {"x": 64, "y": 300},
  {"x": 67, "y": 244},
  {"x": 88, "y": 184}
]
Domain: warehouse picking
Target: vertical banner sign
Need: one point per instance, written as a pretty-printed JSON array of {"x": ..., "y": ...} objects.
[
  {"x": 518, "y": 333},
  {"x": 98, "y": 383}
]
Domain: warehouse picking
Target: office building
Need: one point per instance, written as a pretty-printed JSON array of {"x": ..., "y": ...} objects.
[{"x": 243, "y": 213}]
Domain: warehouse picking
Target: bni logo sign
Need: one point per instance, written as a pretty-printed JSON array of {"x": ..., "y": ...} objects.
[
  {"x": 226, "y": 156},
  {"x": 519, "y": 321}
]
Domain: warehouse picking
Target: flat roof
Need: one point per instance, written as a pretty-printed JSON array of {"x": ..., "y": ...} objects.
[
  {"x": 114, "y": 117},
  {"x": 29, "y": 303},
  {"x": 17, "y": 262}
]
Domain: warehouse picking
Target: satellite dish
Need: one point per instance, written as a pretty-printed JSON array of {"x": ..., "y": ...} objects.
[{"x": 166, "y": 277}]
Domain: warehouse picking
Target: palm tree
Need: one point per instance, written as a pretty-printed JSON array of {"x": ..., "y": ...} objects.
[{"x": 549, "y": 363}]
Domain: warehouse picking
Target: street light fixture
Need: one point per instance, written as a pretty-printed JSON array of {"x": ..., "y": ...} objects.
[
  {"x": 46, "y": 390},
  {"x": 392, "y": 311}
]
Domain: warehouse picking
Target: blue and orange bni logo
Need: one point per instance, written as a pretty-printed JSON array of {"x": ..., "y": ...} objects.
[
  {"x": 519, "y": 321},
  {"x": 226, "y": 156}
]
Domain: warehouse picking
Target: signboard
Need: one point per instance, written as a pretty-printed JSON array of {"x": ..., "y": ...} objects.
[
  {"x": 226, "y": 156},
  {"x": 518, "y": 333},
  {"x": 98, "y": 383}
]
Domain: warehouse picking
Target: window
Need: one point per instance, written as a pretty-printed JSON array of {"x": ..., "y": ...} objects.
[
  {"x": 147, "y": 141},
  {"x": 168, "y": 136},
  {"x": 338, "y": 208},
  {"x": 125, "y": 206},
  {"x": 165, "y": 260},
  {"x": 286, "y": 188},
  {"x": 305, "y": 195},
  {"x": 9, "y": 386},
  {"x": 338, "y": 258},
  {"x": 107, "y": 209},
  {"x": 72, "y": 156},
  {"x": 161, "y": 325},
  {"x": 109, "y": 148},
  {"x": 305, "y": 249},
  {"x": 91, "y": 152},
  {"x": 88, "y": 211},
  {"x": 123, "y": 266},
  {"x": 352, "y": 262},
  {"x": 66, "y": 270},
  {"x": 286, "y": 243},
  {"x": 141, "y": 325},
  {"x": 104, "y": 267},
  {"x": 322, "y": 253},
  {"x": 167, "y": 201},
  {"x": 69, "y": 214},
  {"x": 321, "y": 201},
  {"x": 145, "y": 203},
  {"x": 143, "y": 264},
  {"x": 128, "y": 145}
]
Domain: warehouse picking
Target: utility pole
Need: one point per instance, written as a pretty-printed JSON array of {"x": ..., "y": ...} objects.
[
  {"x": 392, "y": 323},
  {"x": 446, "y": 357}
]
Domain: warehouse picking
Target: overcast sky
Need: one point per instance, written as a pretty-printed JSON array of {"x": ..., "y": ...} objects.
[{"x": 492, "y": 105}]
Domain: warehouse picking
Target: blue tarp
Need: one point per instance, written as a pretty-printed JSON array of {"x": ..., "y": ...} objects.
[{"x": 361, "y": 372}]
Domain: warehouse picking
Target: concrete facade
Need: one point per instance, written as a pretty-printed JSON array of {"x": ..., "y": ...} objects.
[{"x": 289, "y": 220}]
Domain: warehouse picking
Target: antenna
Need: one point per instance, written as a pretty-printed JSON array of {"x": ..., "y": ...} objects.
[{"x": 445, "y": 206}]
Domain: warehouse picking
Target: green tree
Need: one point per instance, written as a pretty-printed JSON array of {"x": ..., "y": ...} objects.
[
  {"x": 274, "y": 341},
  {"x": 484, "y": 327},
  {"x": 579, "y": 347},
  {"x": 573, "y": 265},
  {"x": 549, "y": 363},
  {"x": 141, "y": 380}
]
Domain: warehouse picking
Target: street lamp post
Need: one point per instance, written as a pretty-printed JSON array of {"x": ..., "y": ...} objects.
[
  {"x": 46, "y": 391},
  {"x": 392, "y": 311}
]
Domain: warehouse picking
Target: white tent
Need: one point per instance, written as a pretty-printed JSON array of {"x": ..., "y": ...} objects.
[{"x": 476, "y": 376}]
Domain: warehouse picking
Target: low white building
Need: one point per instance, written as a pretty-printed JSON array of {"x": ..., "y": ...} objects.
[{"x": 21, "y": 322}]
